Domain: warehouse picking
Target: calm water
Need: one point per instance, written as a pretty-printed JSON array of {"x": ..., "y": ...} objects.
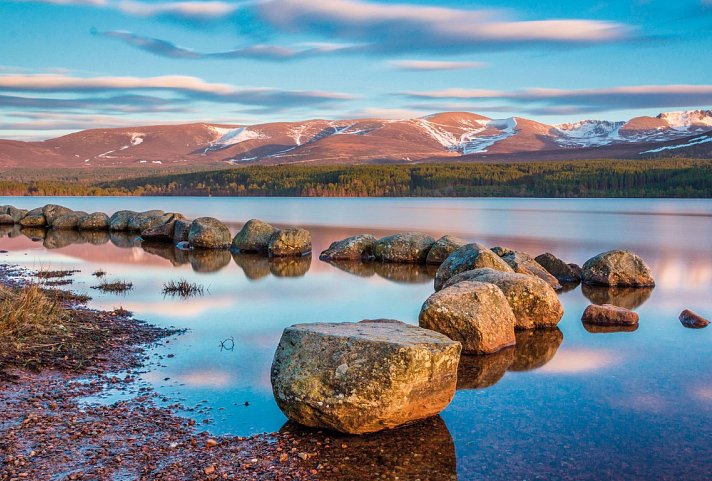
[{"x": 568, "y": 404}]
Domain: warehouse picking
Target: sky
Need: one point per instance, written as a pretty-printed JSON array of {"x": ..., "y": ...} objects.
[{"x": 67, "y": 65}]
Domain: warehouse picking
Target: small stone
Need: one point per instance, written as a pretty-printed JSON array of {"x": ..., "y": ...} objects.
[
  {"x": 609, "y": 315},
  {"x": 211, "y": 443},
  {"x": 693, "y": 320},
  {"x": 210, "y": 469}
]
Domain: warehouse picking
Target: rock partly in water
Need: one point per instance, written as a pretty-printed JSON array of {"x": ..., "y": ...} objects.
[
  {"x": 533, "y": 301},
  {"x": 357, "y": 247},
  {"x": 404, "y": 247},
  {"x": 162, "y": 231},
  {"x": 442, "y": 248},
  {"x": 474, "y": 313},
  {"x": 609, "y": 315},
  {"x": 692, "y": 320},
  {"x": 34, "y": 218},
  {"x": 6, "y": 219},
  {"x": 145, "y": 220},
  {"x": 617, "y": 268},
  {"x": 96, "y": 221},
  {"x": 290, "y": 242},
  {"x": 254, "y": 237},
  {"x": 363, "y": 377},
  {"x": 562, "y": 271},
  {"x": 53, "y": 211},
  {"x": 181, "y": 229},
  {"x": 209, "y": 233},
  {"x": 119, "y": 221},
  {"x": 466, "y": 258},
  {"x": 66, "y": 221},
  {"x": 15, "y": 213},
  {"x": 523, "y": 263}
]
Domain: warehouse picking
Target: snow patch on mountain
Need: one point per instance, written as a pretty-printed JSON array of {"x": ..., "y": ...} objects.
[
  {"x": 228, "y": 137},
  {"x": 689, "y": 120},
  {"x": 696, "y": 141},
  {"x": 476, "y": 144},
  {"x": 589, "y": 133}
]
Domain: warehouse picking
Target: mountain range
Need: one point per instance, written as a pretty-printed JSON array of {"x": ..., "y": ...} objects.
[{"x": 438, "y": 137}]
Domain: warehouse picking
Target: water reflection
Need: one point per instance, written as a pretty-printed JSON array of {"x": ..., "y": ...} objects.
[
  {"x": 424, "y": 450},
  {"x": 628, "y": 297},
  {"x": 599, "y": 329},
  {"x": 402, "y": 273},
  {"x": 289, "y": 266},
  {"x": 255, "y": 266},
  {"x": 535, "y": 348},
  {"x": 481, "y": 371}
]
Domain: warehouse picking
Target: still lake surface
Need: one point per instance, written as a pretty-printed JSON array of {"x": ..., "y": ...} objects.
[{"x": 563, "y": 404}]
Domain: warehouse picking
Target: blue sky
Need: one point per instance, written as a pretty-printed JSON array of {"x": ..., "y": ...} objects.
[{"x": 66, "y": 65}]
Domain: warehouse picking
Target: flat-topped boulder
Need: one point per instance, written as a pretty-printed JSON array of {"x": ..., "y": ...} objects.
[
  {"x": 617, "y": 268},
  {"x": 533, "y": 301},
  {"x": 363, "y": 377},
  {"x": 53, "y": 211},
  {"x": 254, "y": 237},
  {"x": 474, "y": 313},
  {"x": 523, "y": 263},
  {"x": 209, "y": 233},
  {"x": 34, "y": 218},
  {"x": 404, "y": 247},
  {"x": 96, "y": 221},
  {"x": 352, "y": 248},
  {"x": 290, "y": 242},
  {"x": 466, "y": 258},
  {"x": 609, "y": 315},
  {"x": 119, "y": 220},
  {"x": 692, "y": 320},
  {"x": 562, "y": 271},
  {"x": 442, "y": 248}
]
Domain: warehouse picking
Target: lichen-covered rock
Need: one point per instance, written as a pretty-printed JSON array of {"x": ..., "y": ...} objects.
[
  {"x": 144, "y": 220},
  {"x": 254, "y": 237},
  {"x": 15, "y": 213},
  {"x": 535, "y": 347},
  {"x": 119, "y": 221},
  {"x": 406, "y": 247},
  {"x": 556, "y": 267},
  {"x": 474, "y": 313},
  {"x": 692, "y": 320},
  {"x": 6, "y": 219},
  {"x": 67, "y": 221},
  {"x": 523, "y": 263},
  {"x": 181, "y": 229},
  {"x": 209, "y": 233},
  {"x": 95, "y": 221},
  {"x": 533, "y": 301},
  {"x": 609, "y": 315},
  {"x": 352, "y": 248},
  {"x": 162, "y": 231},
  {"x": 34, "y": 218},
  {"x": 290, "y": 242},
  {"x": 52, "y": 211},
  {"x": 442, "y": 248},
  {"x": 482, "y": 371},
  {"x": 617, "y": 268},
  {"x": 363, "y": 377},
  {"x": 466, "y": 258}
]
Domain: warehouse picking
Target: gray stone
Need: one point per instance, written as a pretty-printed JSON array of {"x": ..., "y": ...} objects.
[
  {"x": 96, "y": 221},
  {"x": 253, "y": 237},
  {"x": 181, "y": 229},
  {"x": 405, "y": 247},
  {"x": 209, "y": 233},
  {"x": 119, "y": 221},
  {"x": 617, "y": 268},
  {"x": 290, "y": 242},
  {"x": 523, "y": 263},
  {"x": 466, "y": 258},
  {"x": 52, "y": 211},
  {"x": 145, "y": 220},
  {"x": 442, "y": 248},
  {"x": 352, "y": 248},
  {"x": 562, "y": 271}
]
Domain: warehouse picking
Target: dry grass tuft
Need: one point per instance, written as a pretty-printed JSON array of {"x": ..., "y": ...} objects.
[
  {"x": 113, "y": 286},
  {"x": 183, "y": 288},
  {"x": 99, "y": 273},
  {"x": 46, "y": 274}
]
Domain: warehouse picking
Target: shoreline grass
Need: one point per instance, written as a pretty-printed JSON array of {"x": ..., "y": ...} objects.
[{"x": 182, "y": 288}]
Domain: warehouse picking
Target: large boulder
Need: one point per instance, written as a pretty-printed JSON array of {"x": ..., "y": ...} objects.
[
  {"x": 363, "y": 377},
  {"x": 617, "y": 268},
  {"x": 96, "y": 221},
  {"x": 466, "y": 258},
  {"x": 52, "y": 211},
  {"x": 162, "y": 231},
  {"x": 609, "y": 315},
  {"x": 290, "y": 242},
  {"x": 253, "y": 237},
  {"x": 556, "y": 267},
  {"x": 66, "y": 221},
  {"x": 181, "y": 229},
  {"x": 34, "y": 218},
  {"x": 15, "y": 213},
  {"x": 523, "y": 263},
  {"x": 119, "y": 221},
  {"x": 6, "y": 219},
  {"x": 475, "y": 313},
  {"x": 442, "y": 248},
  {"x": 209, "y": 233},
  {"x": 406, "y": 247},
  {"x": 533, "y": 301},
  {"x": 352, "y": 248},
  {"x": 144, "y": 220}
]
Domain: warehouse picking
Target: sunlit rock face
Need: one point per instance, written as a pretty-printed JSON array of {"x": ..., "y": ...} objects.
[
  {"x": 253, "y": 237},
  {"x": 466, "y": 258},
  {"x": 352, "y": 248},
  {"x": 442, "y": 248},
  {"x": 523, "y": 263},
  {"x": 563, "y": 272},
  {"x": 363, "y": 377},
  {"x": 292, "y": 242},
  {"x": 404, "y": 247},
  {"x": 209, "y": 233},
  {"x": 617, "y": 268},
  {"x": 609, "y": 315}
]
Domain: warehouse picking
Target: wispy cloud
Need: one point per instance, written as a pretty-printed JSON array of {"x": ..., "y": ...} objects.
[
  {"x": 181, "y": 10},
  {"x": 434, "y": 65}
]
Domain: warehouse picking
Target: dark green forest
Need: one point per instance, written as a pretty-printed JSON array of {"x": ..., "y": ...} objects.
[{"x": 599, "y": 178}]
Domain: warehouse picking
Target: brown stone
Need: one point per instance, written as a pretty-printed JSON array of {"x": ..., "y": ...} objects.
[
  {"x": 608, "y": 314},
  {"x": 466, "y": 258},
  {"x": 693, "y": 320}
]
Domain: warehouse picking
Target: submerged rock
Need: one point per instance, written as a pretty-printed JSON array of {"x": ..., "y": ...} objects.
[
  {"x": 523, "y": 263},
  {"x": 363, "y": 377},
  {"x": 208, "y": 260},
  {"x": 562, "y": 271},
  {"x": 255, "y": 266},
  {"x": 119, "y": 221},
  {"x": 474, "y": 313},
  {"x": 617, "y": 268},
  {"x": 352, "y": 248},
  {"x": 53, "y": 211},
  {"x": 692, "y": 320},
  {"x": 533, "y": 301},
  {"x": 58, "y": 238},
  {"x": 290, "y": 242},
  {"x": 466, "y": 258},
  {"x": 254, "y": 237},
  {"x": 209, "y": 233},
  {"x": 609, "y": 315},
  {"x": 405, "y": 247},
  {"x": 442, "y": 248},
  {"x": 95, "y": 221}
]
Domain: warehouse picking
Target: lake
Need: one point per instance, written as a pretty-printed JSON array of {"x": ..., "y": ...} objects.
[{"x": 564, "y": 404}]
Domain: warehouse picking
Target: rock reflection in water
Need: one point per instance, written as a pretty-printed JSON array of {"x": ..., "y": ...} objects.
[
  {"x": 567, "y": 286},
  {"x": 598, "y": 329},
  {"x": 208, "y": 260},
  {"x": 175, "y": 256},
  {"x": 56, "y": 239},
  {"x": 125, "y": 239},
  {"x": 535, "y": 348},
  {"x": 289, "y": 266},
  {"x": 35, "y": 234},
  {"x": 402, "y": 273},
  {"x": 424, "y": 450},
  {"x": 94, "y": 237},
  {"x": 628, "y": 297},
  {"x": 10, "y": 230},
  {"x": 481, "y": 371},
  {"x": 255, "y": 266}
]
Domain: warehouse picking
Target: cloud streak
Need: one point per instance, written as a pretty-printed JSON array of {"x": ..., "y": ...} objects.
[{"x": 433, "y": 65}]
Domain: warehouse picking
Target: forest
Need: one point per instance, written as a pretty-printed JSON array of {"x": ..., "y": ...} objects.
[{"x": 599, "y": 178}]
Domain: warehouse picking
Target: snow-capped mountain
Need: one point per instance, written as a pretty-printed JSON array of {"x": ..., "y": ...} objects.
[{"x": 440, "y": 136}]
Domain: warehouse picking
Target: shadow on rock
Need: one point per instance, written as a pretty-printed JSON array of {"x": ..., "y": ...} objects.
[
  {"x": 289, "y": 266},
  {"x": 481, "y": 371},
  {"x": 424, "y": 450},
  {"x": 535, "y": 348},
  {"x": 208, "y": 260},
  {"x": 628, "y": 297},
  {"x": 598, "y": 329},
  {"x": 255, "y": 266}
]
